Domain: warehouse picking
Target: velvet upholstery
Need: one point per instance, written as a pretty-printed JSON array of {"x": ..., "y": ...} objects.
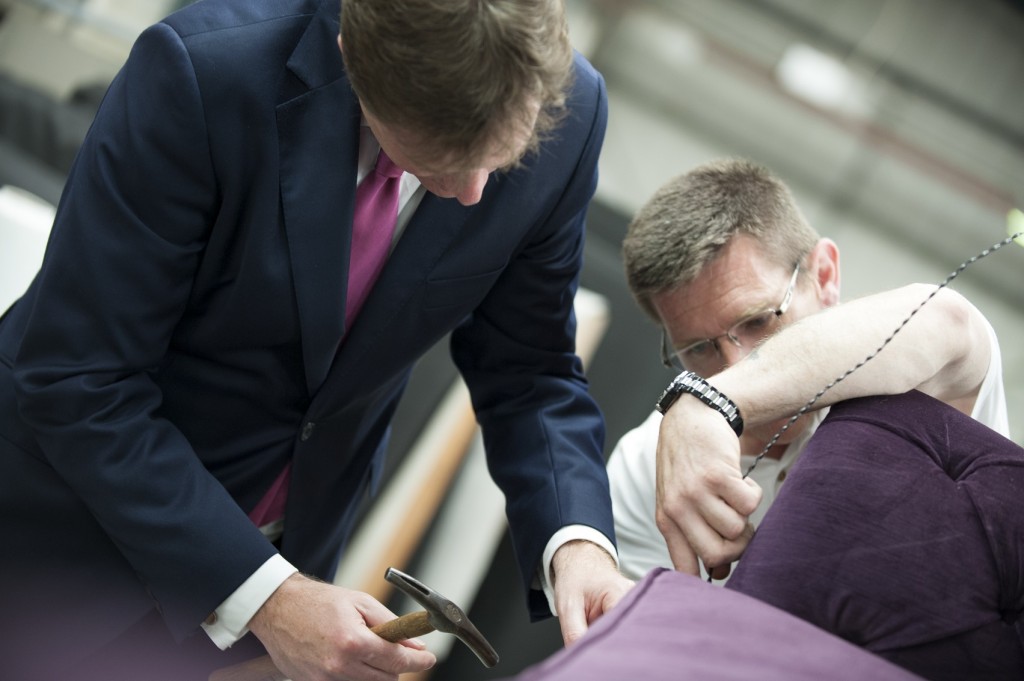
[
  {"x": 901, "y": 530},
  {"x": 675, "y": 627}
]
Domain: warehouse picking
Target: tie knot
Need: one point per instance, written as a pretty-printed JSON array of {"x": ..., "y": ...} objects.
[{"x": 386, "y": 167}]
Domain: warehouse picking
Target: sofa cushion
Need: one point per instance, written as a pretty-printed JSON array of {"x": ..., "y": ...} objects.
[
  {"x": 901, "y": 529},
  {"x": 673, "y": 627}
]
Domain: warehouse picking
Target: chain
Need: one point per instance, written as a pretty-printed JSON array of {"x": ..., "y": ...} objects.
[{"x": 810, "y": 403}]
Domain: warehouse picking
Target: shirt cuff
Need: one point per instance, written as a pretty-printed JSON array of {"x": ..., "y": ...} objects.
[
  {"x": 564, "y": 536},
  {"x": 230, "y": 621}
]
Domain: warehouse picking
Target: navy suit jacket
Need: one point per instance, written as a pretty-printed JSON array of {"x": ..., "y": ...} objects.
[{"x": 185, "y": 336}]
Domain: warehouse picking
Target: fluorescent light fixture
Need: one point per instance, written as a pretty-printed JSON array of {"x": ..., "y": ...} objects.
[{"x": 821, "y": 80}]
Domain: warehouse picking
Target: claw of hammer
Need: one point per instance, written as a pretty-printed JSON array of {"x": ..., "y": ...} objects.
[{"x": 439, "y": 613}]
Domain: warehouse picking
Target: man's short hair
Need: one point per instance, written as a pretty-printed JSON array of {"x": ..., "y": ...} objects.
[
  {"x": 691, "y": 218},
  {"x": 459, "y": 73}
]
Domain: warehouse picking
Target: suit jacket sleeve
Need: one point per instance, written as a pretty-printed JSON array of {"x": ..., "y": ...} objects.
[
  {"x": 129, "y": 234},
  {"x": 543, "y": 432}
]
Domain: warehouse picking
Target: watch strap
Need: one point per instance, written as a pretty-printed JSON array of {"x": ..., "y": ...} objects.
[{"x": 689, "y": 382}]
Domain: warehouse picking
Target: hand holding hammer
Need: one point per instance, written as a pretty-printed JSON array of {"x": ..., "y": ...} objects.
[{"x": 439, "y": 614}]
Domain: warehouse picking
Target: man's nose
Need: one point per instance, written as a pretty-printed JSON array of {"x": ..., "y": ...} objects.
[{"x": 472, "y": 188}]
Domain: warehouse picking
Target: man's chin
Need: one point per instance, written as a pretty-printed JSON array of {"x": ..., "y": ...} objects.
[{"x": 764, "y": 434}]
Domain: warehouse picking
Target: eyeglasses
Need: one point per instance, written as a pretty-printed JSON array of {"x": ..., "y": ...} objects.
[{"x": 705, "y": 356}]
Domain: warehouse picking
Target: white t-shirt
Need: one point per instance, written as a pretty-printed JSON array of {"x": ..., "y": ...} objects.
[{"x": 631, "y": 472}]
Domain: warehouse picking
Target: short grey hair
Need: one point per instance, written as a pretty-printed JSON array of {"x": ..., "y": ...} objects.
[{"x": 685, "y": 225}]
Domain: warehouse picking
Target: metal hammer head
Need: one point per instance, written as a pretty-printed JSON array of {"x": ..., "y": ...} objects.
[{"x": 444, "y": 615}]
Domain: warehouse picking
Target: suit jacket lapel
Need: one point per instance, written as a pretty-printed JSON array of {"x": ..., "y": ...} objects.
[
  {"x": 370, "y": 341},
  {"x": 318, "y": 131}
]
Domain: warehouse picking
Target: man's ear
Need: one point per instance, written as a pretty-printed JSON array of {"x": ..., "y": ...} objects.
[{"x": 824, "y": 269}]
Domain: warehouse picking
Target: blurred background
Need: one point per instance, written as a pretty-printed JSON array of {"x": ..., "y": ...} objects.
[{"x": 899, "y": 124}]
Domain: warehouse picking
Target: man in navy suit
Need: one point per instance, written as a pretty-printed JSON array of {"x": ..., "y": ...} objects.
[{"x": 184, "y": 350}]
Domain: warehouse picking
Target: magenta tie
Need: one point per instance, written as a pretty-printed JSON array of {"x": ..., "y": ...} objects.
[{"x": 373, "y": 226}]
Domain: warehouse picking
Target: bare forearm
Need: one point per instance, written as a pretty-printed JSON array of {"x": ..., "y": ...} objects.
[{"x": 943, "y": 351}]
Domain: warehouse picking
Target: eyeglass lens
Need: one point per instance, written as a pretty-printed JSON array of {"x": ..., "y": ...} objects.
[{"x": 705, "y": 357}]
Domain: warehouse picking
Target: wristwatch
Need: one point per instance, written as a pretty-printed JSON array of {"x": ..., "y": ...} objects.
[{"x": 689, "y": 382}]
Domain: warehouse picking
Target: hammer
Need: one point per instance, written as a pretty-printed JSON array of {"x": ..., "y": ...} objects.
[{"x": 440, "y": 614}]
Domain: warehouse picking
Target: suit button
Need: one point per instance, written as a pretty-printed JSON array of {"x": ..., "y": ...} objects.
[{"x": 307, "y": 430}]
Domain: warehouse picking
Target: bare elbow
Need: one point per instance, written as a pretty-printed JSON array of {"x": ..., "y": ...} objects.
[
  {"x": 959, "y": 329},
  {"x": 958, "y": 312}
]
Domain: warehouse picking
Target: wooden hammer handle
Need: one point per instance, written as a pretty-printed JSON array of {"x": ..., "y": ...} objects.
[
  {"x": 263, "y": 668},
  {"x": 407, "y": 626}
]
